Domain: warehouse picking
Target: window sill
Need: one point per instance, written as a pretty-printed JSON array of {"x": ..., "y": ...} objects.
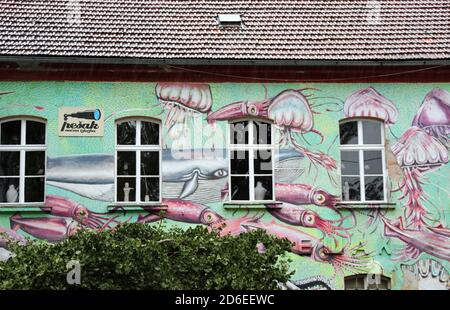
[
  {"x": 366, "y": 205},
  {"x": 28, "y": 207},
  {"x": 250, "y": 204},
  {"x": 136, "y": 206}
]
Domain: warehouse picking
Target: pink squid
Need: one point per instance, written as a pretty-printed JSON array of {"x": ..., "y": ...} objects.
[
  {"x": 418, "y": 241},
  {"x": 417, "y": 153},
  {"x": 299, "y": 216},
  {"x": 7, "y": 235},
  {"x": 291, "y": 113},
  {"x": 182, "y": 211},
  {"x": 306, "y": 244},
  {"x": 232, "y": 227},
  {"x": 368, "y": 102},
  {"x": 434, "y": 115},
  {"x": 305, "y": 194},
  {"x": 48, "y": 228},
  {"x": 440, "y": 229},
  {"x": 61, "y": 206},
  {"x": 183, "y": 100}
]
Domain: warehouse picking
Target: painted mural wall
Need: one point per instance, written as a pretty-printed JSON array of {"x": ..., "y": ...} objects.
[{"x": 407, "y": 240}]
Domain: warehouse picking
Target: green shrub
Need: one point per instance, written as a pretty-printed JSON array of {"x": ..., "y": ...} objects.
[{"x": 137, "y": 256}]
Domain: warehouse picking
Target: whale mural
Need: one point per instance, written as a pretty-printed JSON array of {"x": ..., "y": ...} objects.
[{"x": 92, "y": 175}]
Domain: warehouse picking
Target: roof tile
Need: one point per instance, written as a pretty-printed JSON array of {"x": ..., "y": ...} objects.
[{"x": 187, "y": 29}]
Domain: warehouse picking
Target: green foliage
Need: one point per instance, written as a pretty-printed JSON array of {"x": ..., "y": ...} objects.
[{"x": 137, "y": 256}]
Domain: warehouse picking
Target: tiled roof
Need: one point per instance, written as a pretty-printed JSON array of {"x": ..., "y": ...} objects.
[{"x": 273, "y": 29}]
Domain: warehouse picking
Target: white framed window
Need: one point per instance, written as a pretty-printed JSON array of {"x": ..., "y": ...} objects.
[
  {"x": 251, "y": 175},
  {"x": 138, "y": 161},
  {"x": 363, "y": 163},
  {"x": 22, "y": 161},
  {"x": 367, "y": 282}
]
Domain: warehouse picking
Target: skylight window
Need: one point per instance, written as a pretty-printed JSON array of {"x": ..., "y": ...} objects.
[{"x": 229, "y": 20}]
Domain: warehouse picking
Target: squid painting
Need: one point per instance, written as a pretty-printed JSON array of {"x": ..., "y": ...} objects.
[{"x": 292, "y": 114}]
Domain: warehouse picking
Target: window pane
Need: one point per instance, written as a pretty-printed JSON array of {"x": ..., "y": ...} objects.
[
  {"x": 360, "y": 282},
  {"x": 35, "y": 163},
  {"x": 149, "y": 189},
  {"x": 350, "y": 284},
  {"x": 240, "y": 188},
  {"x": 263, "y": 162},
  {"x": 263, "y": 188},
  {"x": 384, "y": 284},
  {"x": 9, "y": 163},
  {"x": 372, "y": 162},
  {"x": 150, "y": 163},
  {"x": 9, "y": 190},
  {"x": 126, "y": 189},
  {"x": 126, "y": 163},
  {"x": 262, "y": 133},
  {"x": 239, "y": 162},
  {"x": 10, "y": 132},
  {"x": 374, "y": 187},
  {"x": 149, "y": 133},
  {"x": 35, "y": 132},
  {"x": 34, "y": 189},
  {"x": 126, "y": 133},
  {"x": 349, "y": 133},
  {"x": 371, "y": 132},
  {"x": 349, "y": 162},
  {"x": 351, "y": 189},
  {"x": 239, "y": 133}
]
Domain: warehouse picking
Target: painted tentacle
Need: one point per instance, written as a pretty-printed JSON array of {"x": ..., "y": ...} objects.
[
  {"x": 440, "y": 229},
  {"x": 317, "y": 132},
  {"x": 109, "y": 221},
  {"x": 415, "y": 211},
  {"x": 63, "y": 207},
  {"x": 346, "y": 260},
  {"x": 317, "y": 158},
  {"x": 148, "y": 218}
]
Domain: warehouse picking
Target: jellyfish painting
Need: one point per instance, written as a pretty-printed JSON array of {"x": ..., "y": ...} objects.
[
  {"x": 434, "y": 115},
  {"x": 368, "y": 102},
  {"x": 183, "y": 100},
  {"x": 292, "y": 115},
  {"x": 417, "y": 153}
]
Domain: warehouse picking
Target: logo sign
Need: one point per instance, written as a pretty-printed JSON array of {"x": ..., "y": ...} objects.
[{"x": 80, "y": 122}]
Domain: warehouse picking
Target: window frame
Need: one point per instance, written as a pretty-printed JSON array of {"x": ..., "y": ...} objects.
[
  {"x": 22, "y": 148},
  {"x": 251, "y": 147},
  {"x": 138, "y": 148},
  {"x": 363, "y": 277},
  {"x": 361, "y": 147}
]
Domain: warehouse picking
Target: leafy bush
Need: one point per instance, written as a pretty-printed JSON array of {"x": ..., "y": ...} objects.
[{"x": 137, "y": 256}]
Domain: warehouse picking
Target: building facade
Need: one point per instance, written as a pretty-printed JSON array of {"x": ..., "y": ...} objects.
[
  {"x": 341, "y": 149},
  {"x": 354, "y": 174}
]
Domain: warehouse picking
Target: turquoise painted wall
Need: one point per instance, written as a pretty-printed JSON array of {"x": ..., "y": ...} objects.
[{"x": 375, "y": 238}]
